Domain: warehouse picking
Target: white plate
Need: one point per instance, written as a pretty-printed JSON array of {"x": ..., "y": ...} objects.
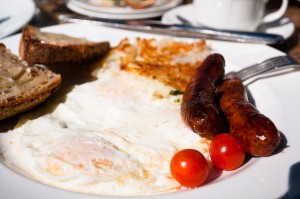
[
  {"x": 277, "y": 97},
  {"x": 282, "y": 27},
  {"x": 19, "y": 11},
  {"x": 161, "y": 5},
  {"x": 125, "y": 13}
]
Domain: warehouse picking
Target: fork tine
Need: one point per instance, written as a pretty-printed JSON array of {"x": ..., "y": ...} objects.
[
  {"x": 272, "y": 64},
  {"x": 263, "y": 65},
  {"x": 257, "y": 68},
  {"x": 286, "y": 61}
]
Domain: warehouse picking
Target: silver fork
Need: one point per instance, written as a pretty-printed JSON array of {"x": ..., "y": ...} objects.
[{"x": 268, "y": 66}]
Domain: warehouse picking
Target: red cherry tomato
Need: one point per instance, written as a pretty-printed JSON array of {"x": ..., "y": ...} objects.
[
  {"x": 189, "y": 167},
  {"x": 226, "y": 152}
]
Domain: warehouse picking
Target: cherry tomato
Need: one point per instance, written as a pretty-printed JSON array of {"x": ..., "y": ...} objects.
[
  {"x": 189, "y": 167},
  {"x": 226, "y": 152}
]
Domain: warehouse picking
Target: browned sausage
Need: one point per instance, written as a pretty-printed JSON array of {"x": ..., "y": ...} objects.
[
  {"x": 198, "y": 108},
  {"x": 255, "y": 131}
]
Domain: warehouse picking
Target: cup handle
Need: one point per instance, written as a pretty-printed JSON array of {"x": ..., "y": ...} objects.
[{"x": 277, "y": 14}]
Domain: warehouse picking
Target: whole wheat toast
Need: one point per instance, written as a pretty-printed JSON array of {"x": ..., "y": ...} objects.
[
  {"x": 52, "y": 48},
  {"x": 23, "y": 86}
]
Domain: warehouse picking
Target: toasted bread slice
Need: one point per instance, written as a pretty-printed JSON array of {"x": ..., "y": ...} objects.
[
  {"x": 22, "y": 86},
  {"x": 51, "y": 48}
]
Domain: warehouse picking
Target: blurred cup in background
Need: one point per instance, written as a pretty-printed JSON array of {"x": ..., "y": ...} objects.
[{"x": 235, "y": 14}]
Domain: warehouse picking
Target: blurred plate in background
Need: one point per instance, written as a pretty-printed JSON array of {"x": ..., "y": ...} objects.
[
  {"x": 19, "y": 12},
  {"x": 119, "y": 11}
]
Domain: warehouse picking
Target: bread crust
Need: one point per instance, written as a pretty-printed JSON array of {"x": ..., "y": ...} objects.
[
  {"x": 23, "y": 86},
  {"x": 36, "y": 47}
]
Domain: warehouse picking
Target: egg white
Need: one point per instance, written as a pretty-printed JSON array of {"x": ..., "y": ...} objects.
[{"x": 113, "y": 136}]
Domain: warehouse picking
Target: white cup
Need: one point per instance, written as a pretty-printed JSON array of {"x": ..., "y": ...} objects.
[{"x": 235, "y": 14}]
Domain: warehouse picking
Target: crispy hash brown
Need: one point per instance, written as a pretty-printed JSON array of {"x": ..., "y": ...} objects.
[{"x": 169, "y": 61}]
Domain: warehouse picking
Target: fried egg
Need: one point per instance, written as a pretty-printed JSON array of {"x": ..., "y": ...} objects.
[{"x": 112, "y": 136}]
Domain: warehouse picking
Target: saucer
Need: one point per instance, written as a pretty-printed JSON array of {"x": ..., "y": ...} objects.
[
  {"x": 121, "y": 13},
  {"x": 283, "y": 27}
]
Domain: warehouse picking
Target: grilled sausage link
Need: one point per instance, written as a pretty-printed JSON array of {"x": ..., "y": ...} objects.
[
  {"x": 255, "y": 131},
  {"x": 198, "y": 108}
]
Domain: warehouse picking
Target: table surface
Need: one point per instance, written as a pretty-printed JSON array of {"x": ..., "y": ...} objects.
[{"x": 47, "y": 10}]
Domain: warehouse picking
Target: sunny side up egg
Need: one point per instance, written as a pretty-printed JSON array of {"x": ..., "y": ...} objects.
[{"x": 111, "y": 136}]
